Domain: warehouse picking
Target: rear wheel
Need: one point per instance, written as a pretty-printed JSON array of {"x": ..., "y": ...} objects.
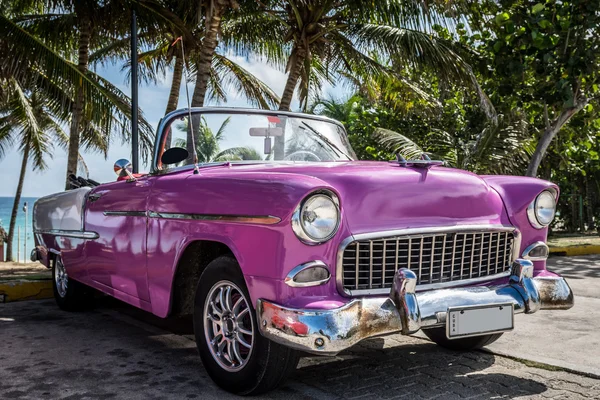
[
  {"x": 438, "y": 335},
  {"x": 69, "y": 294},
  {"x": 236, "y": 356}
]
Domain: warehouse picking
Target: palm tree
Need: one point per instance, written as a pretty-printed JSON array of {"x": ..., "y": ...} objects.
[
  {"x": 166, "y": 50},
  {"x": 26, "y": 58},
  {"x": 503, "y": 146},
  {"x": 335, "y": 109},
  {"x": 207, "y": 144},
  {"x": 80, "y": 26},
  {"x": 223, "y": 74},
  {"x": 215, "y": 21},
  {"x": 328, "y": 38},
  {"x": 82, "y": 18},
  {"x": 32, "y": 63},
  {"x": 25, "y": 121}
]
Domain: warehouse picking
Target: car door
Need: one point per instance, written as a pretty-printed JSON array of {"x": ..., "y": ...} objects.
[{"x": 117, "y": 258}]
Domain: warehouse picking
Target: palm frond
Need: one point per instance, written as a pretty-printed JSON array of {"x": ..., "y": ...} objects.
[
  {"x": 238, "y": 154},
  {"x": 245, "y": 36},
  {"x": 398, "y": 143},
  {"x": 242, "y": 81},
  {"x": 6, "y": 136},
  {"x": 120, "y": 49},
  {"x": 122, "y": 115},
  {"x": 417, "y": 49},
  {"x": 34, "y": 64},
  {"x": 22, "y": 105},
  {"x": 220, "y": 135},
  {"x": 58, "y": 30}
]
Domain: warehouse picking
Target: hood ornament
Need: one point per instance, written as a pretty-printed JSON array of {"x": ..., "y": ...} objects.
[{"x": 423, "y": 162}]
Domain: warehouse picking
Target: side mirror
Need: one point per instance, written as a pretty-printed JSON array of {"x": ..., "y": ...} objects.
[
  {"x": 123, "y": 168},
  {"x": 174, "y": 155}
]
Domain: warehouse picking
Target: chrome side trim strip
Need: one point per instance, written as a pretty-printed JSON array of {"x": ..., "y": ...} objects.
[
  {"x": 73, "y": 234},
  {"x": 247, "y": 219},
  {"x": 125, "y": 213},
  {"x": 414, "y": 233}
]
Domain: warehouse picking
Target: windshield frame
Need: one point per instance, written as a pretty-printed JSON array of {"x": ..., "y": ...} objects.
[{"x": 169, "y": 118}]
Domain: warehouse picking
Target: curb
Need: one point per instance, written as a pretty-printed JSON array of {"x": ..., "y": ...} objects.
[
  {"x": 575, "y": 250},
  {"x": 18, "y": 290},
  {"x": 535, "y": 362},
  {"x": 547, "y": 364}
]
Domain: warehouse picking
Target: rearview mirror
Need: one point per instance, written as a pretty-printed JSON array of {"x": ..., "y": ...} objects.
[
  {"x": 174, "y": 155},
  {"x": 266, "y": 132}
]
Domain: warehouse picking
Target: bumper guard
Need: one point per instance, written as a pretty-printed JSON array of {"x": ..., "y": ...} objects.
[{"x": 328, "y": 332}]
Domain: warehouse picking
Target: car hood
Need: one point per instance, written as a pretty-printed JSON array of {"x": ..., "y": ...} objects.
[{"x": 386, "y": 196}]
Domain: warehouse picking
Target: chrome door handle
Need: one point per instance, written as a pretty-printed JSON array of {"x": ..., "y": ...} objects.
[{"x": 94, "y": 196}]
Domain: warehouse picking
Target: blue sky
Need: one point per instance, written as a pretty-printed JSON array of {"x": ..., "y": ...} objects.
[{"x": 153, "y": 101}]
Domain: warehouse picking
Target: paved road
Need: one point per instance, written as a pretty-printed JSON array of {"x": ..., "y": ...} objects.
[
  {"x": 111, "y": 353},
  {"x": 47, "y": 353},
  {"x": 568, "y": 339},
  {"x": 582, "y": 273}
]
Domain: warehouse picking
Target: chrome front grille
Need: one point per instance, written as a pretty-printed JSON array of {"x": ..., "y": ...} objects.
[{"x": 369, "y": 265}]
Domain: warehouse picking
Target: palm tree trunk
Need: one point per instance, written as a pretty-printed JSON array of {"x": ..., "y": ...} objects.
[
  {"x": 15, "y": 209},
  {"x": 78, "y": 106},
  {"x": 203, "y": 65},
  {"x": 298, "y": 55},
  {"x": 296, "y": 60},
  {"x": 204, "y": 59},
  {"x": 175, "y": 83}
]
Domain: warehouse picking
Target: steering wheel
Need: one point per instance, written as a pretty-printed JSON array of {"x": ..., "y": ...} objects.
[{"x": 302, "y": 155}]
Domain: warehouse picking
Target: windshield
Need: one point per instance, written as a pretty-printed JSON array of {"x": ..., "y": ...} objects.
[{"x": 255, "y": 137}]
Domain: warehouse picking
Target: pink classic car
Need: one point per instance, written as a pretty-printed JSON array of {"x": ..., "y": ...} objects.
[{"x": 265, "y": 227}]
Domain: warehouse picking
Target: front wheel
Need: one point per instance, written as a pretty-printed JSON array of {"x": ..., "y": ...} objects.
[
  {"x": 69, "y": 294},
  {"x": 236, "y": 356},
  {"x": 438, "y": 335}
]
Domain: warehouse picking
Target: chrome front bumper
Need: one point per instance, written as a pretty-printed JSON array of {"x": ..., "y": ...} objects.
[{"x": 405, "y": 310}]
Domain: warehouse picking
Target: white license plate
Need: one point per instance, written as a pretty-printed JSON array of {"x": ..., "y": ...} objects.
[{"x": 479, "y": 320}]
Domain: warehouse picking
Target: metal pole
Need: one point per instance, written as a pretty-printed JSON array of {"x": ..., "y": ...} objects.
[
  {"x": 18, "y": 244},
  {"x": 581, "y": 227},
  {"x": 25, "y": 239},
  {"x": 134, "y": 96}
]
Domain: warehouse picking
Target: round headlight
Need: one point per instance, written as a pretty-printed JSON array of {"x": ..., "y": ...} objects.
[
  {"x": 317, "y": 218},
  {"x": 541, "y": 210}
]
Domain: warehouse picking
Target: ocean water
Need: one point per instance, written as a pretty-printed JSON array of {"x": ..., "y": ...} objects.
[{"x": 6, "y": 204}]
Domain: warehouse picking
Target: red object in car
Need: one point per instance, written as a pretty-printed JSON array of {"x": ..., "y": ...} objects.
[{"x": 124, "y": 178}]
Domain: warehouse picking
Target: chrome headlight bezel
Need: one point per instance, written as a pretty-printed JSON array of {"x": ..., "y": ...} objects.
[
  {"x": 298, "y": 227},
  {"x": 532, "y": 210}
]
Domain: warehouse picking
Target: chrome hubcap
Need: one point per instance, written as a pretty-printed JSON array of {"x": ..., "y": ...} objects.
[
  {"x": 61, "y": 278},
  {"x": 228, "y": 326}
]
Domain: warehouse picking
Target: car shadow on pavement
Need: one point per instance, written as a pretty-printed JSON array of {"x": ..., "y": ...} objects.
[
  {"x": 381, "y": 367},
  {"x": 417, "y": 369},
  {"x": 577, "y": 267}
]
